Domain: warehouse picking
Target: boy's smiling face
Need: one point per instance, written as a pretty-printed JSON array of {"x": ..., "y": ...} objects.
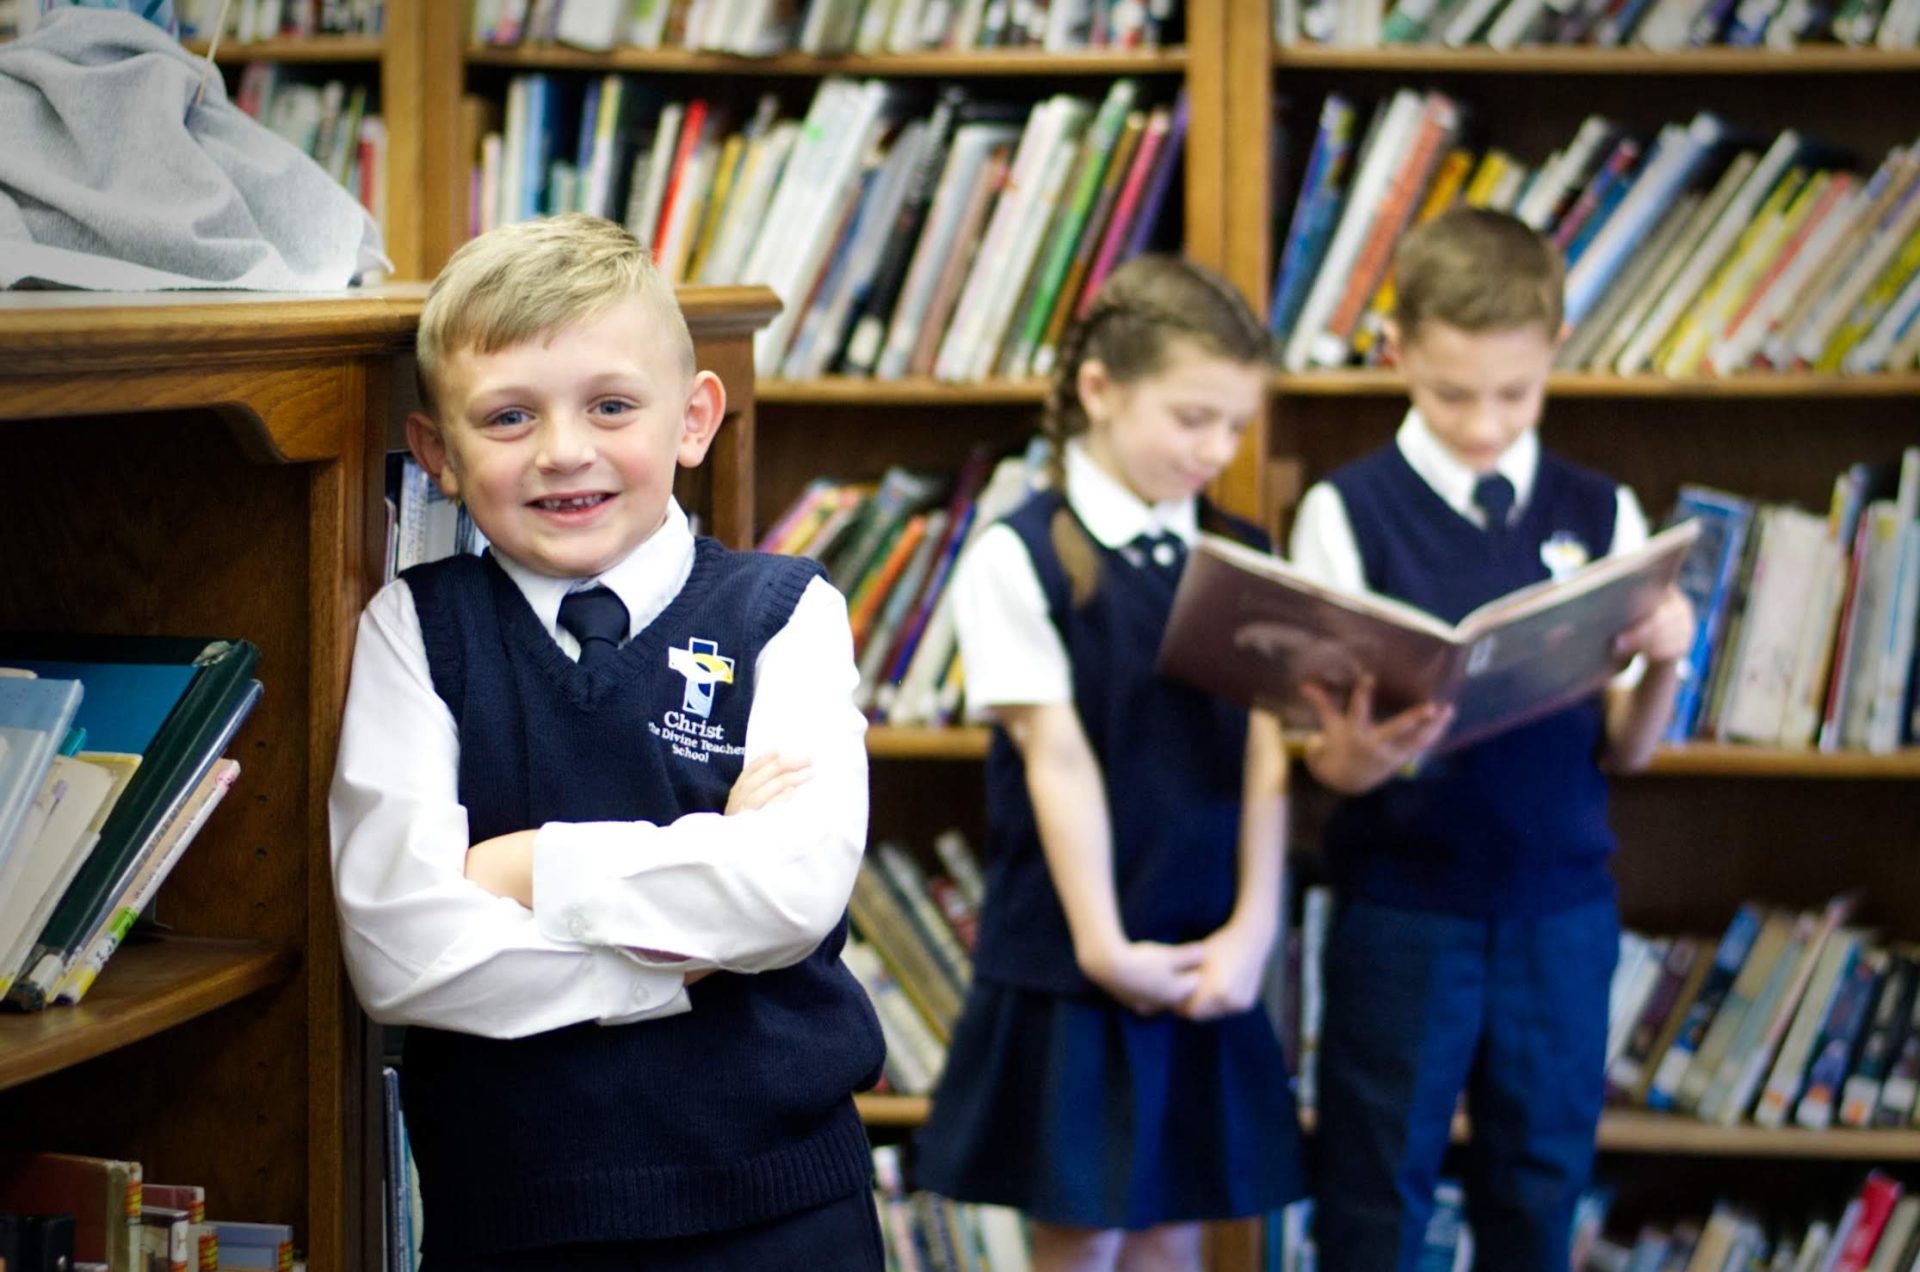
[
  {"x": 1478, "y": 391},
  {"x": 564, "y": 447}
]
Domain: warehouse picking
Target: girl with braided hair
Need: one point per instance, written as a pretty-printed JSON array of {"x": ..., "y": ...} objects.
[{"x": 1111, "y": 1075}]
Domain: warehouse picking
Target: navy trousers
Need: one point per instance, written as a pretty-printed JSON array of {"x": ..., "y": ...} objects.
[
  {"x": 842, "y": 1234},
  {"x": 1421, "y": 1006}
]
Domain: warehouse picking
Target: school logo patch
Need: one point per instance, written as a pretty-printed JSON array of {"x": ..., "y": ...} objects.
[
  {"x": 700, "y": 662},
  {"x": 1563, "y": 554}
]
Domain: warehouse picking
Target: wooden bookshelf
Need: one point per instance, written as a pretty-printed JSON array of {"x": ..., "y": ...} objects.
[
  {"x": 894, "y": 1110},
  {"x": 848, "y": 391},
  {"x": 1812, "y": 59},
  {"x": 326, "y": 50},
  {"x": 969, "y": 63},
  {"x": 897, "y": 742},
  {"x": 153, "y": 985}
]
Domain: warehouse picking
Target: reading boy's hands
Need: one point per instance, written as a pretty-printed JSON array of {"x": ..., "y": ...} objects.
[
  {"x": 1148, "y": 977},
  {"x": 1233, "y": 962},
  {"x": 1355, "y": 753},
  {"x": 1662, "y": 636},
  {"x": 766, "y": 779}
]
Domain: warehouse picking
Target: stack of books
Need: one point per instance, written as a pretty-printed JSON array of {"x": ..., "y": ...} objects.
[
  {"x": 332, "y": 123},
  {"x": 61, "y": 1210},
  {"x": 890, "y": 547},
  {"x": 927, "y": 1233},
  {"x": 956, "y": 238},
  {"x": 912, "y": 950},
  {"x": 757, "y": 28},
  {"x": 110, "y": 764},
  {"x": 1655, "y": 24},
  {"x": 1698, "y": 250},
  {"x": 275, "y": 19},
  {"x": 1806, "y": 623}
]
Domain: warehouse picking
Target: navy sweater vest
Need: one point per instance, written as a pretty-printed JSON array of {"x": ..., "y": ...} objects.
[
  {"x": 1515, "y": 825},
  {"x": 734, "y": 1112},
  {"x": 1172, "y": 757}
]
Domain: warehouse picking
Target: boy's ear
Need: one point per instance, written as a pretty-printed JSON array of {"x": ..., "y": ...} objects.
[
  {"x": 706, "y": 409},
  {"x": 429, "y": 449},
  {"x": 1390, "y": 332}
]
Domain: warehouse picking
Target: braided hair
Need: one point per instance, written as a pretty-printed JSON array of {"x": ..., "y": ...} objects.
[{"x": 1144, "y": 308}]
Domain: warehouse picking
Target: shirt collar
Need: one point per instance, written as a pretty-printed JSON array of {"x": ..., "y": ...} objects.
[
  {"x": 1114, "y": 515},
  {"x": 645, "y": 579},
  {"x": 1452, "y": 480}
]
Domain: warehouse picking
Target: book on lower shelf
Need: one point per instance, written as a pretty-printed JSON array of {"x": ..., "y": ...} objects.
[
  {"x": 140, "y": 770},
  {"x": 1251, "y": 628}
]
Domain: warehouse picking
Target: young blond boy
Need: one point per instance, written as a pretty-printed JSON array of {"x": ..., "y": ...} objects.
[
  {"x": 1476, "y": 931},
  {"x": 631, "y": 1042}
]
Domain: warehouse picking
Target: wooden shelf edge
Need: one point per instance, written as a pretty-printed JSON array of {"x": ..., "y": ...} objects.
[
  {"x": 1804, "y": 60},
  {"x": 149, "y": 986},
  {"x": 848, "y": 391},
  {"x": 319, "y": 48},
  {"x": 997, "y": 62},
  {"x": 897, "y": 742},
  {"x": 1621, "y": 1131},
  {"x": 1583, "y": 384},
  {"x": 893, "y": 1110}
]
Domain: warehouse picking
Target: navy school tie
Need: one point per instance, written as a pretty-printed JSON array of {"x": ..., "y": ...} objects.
[
  {"x": 1493, "y": 494},
  {"x": 598, "y": 620}
]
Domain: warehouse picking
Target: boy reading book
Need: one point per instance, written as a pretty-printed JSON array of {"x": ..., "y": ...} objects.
[
  {"x": 1477, "y": 932},
  {"x": 632, "y": 1042}
]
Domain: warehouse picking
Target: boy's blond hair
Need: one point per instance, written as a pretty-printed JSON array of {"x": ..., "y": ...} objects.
[
  {"x": 1477, "y": 270},
  {"x": 531, "y": 279}
]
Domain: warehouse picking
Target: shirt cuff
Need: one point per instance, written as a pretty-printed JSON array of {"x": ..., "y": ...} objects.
[{"x": 570, "y": 888}]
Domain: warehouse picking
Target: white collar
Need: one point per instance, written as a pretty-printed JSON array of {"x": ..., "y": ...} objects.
[
  {"x": 1114, "y": 515},
  {"x": 1452, "y": 480},
  {"x": 645, "y": 579}
]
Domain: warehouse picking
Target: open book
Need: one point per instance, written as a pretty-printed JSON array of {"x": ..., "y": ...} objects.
[{"x": 1251, "y": 628}]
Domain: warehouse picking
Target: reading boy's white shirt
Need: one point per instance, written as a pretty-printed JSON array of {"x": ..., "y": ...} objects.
[
  {"x": 1012, "y": 651},
  {"x": 745, "y": 893},
  {"x": 1324, "y": 549}
]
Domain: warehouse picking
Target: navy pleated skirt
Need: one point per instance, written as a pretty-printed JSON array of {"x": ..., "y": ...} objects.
[{"x": 1082, "y": 1113}]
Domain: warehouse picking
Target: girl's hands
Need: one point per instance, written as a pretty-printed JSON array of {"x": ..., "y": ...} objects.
[
  {"x": 1147, "y": 977},
  {"x": 1233, "y": 963},
  {"x": 769, "y": 778},
  {"x": 1355, "y": 754}
]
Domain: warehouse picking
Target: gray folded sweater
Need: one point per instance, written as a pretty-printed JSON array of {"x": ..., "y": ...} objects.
[{"x": 113, "y": 178}]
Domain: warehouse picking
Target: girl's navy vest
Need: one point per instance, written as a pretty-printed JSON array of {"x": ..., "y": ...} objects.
[
  {"x": 1515, "y": 825},
  {"x": 732, "y": 1113},
  {"x": 1173, "y": 759}
]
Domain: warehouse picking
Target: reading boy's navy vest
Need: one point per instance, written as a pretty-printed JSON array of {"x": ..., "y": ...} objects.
[
  {"x": 1173, "y": 759},
  {"x": 1515, "y": 825},
  {"x": 732, "y": 1113}
]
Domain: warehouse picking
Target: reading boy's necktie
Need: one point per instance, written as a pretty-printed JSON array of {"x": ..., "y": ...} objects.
[
  {"x": 1493, "y": 494},
  {"x": 598, "y": 620}
]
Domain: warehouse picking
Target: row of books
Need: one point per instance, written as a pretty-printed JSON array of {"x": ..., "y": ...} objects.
[
  {"x": 890, "y": 547},
  {"x": 422, "y": 523},
  {"x": 248, "y": 20},
  {"x": 759, "y": 28},
  {"x": 1877, "y": 1230},
  {"x": 331, "y": 122},
  {"x": 404, "y": 1220},
  {"x": 62, "y": 1211},
  {"x": 956, "y": 238},
  {"x": 1806, "y": 623},
  {"x": 912, "y": 950},
  {"x": 1665, "y": 25},
  {"x": 1700, "y": 250},
  {"x": 923, "y": 1232},
  {"x": 110, "y": 764}
]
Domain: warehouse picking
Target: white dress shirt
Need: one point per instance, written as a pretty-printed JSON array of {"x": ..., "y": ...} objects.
[
  {"x": 746, "y": 893},
  {"x": 1012, "y": 651}
]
